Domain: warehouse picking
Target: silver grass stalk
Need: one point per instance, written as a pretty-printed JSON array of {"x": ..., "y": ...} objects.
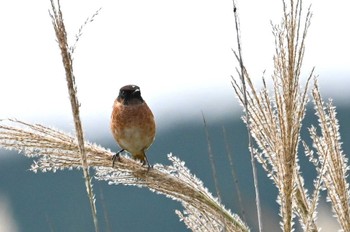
[
  {"x": 331, "y": 162},
  {"x": 275, "y": 118},
  {"x": 242, "y": 76},
  {"x": 56, "y": 150},
  {"x": 234, "y": 174},
  {"x": 66, "y": 53}
]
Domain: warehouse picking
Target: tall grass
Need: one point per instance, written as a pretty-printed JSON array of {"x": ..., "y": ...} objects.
[
  {"x": 275, "y": 120},
  {"x": 66, "y": 53},
  {"x": 273, "y": 116}
]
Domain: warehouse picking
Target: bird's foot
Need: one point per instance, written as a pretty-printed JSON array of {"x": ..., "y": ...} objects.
[
  {"x": 145, "y": 162},
  {"x": 116, "y": 157}
]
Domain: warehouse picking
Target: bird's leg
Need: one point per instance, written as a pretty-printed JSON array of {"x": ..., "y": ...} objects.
[
  {"x": 145, "y": 162},
  {"x": 116, "y": 156}
]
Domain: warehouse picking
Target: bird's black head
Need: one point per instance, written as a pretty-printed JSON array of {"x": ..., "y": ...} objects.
[{"x": 130, "y": 94}]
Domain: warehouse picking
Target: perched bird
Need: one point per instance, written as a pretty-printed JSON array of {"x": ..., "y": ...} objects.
[{"x": 132, "y": 123}]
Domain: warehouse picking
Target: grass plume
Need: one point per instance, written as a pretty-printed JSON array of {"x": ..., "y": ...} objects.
[
  {"x": 275, "y": 121},
  {"x": 57, "y": 150},
  {"x": 331, "y": 162},
  {"x": 66, "y": 53}
]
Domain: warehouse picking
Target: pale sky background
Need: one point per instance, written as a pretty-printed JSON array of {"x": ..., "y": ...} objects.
[{"x": 178, "y": 52}]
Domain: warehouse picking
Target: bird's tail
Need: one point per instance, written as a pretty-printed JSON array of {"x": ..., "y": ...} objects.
[{"x": 142, "y": 157}]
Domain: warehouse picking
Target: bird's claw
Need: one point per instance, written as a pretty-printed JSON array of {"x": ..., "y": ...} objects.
[{"x": 116, "y": 157}]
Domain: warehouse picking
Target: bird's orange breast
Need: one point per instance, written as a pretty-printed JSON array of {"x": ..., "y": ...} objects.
[{"x": 133, "y": 127}]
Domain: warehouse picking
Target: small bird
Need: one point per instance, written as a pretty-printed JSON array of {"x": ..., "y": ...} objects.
[{"x": 132, "y": 123}]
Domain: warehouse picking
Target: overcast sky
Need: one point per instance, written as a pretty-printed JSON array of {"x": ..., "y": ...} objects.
[{"x": 178, "y": 52}]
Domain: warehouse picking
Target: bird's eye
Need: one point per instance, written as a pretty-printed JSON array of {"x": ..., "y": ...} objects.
[{"x": 122, "y": 94}]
